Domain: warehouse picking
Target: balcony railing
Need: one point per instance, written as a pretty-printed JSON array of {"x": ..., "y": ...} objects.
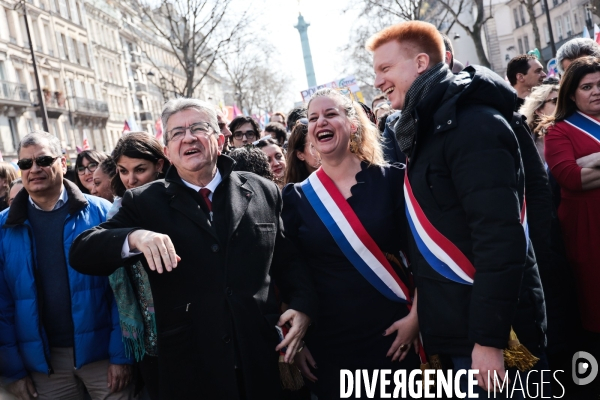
[
  {"x": 55, "y": 103},
  {"x": 145, "y": 116},
  {"x": 90, "y": 106},
  {"x": 51, "y": 99},
  {"x": 13, "y": 91},
  {"x": 141, "y": 87}
]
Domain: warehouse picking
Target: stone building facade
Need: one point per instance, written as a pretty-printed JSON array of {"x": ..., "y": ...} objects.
[{"x": 98, "y": 68}]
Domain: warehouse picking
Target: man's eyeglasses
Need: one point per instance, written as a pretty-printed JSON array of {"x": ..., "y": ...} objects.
[
  {"x": 41, "y": 161},
  {"x": 196, "y": 129},
  {"x": 250, "y": 135},
  {"x": 90, "y": 167},
  {"x": 554, "y": 101}
]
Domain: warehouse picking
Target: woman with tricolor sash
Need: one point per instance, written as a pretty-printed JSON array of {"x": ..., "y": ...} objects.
[
  {"x": 572, "y": 147},
  {"x": 348, "y": 219}
]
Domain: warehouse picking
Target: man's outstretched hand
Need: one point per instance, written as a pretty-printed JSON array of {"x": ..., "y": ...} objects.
[{"x": 156, "y": 247}]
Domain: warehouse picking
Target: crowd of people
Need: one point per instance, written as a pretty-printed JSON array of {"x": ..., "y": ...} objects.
[{"x": 449, "y": 225}]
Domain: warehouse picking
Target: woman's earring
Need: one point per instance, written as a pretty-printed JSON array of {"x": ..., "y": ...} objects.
[{"x": 354, "y": 140}]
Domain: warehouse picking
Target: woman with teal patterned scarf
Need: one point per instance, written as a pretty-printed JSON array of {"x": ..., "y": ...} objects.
[{"x": 140, "y": 160}]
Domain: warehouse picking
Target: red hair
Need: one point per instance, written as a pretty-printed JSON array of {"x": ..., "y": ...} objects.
[{"x": 423, "y": 36}]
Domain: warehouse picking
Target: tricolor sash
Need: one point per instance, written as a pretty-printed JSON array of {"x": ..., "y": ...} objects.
[
  {"x": 352, "y": 238},
  {"x": 439, "y": 252},
  {"x": 585, "y": 124}
]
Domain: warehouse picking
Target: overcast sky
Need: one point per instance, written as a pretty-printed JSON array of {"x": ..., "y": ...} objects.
[{"x": 329, "y": 31}]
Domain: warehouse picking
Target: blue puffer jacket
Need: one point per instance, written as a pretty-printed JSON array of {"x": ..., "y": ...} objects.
[{"x": 23, "y": 342}]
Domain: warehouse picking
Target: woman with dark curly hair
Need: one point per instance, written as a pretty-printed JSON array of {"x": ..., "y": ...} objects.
[
  {"x": 85, "y": 165},
  {"x": 251, "y": 159},
  {"x": 276, "y": 157}
]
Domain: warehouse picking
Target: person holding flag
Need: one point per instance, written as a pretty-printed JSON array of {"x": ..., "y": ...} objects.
[
  {"x": 474, "y": 267},
  {"x": 353, "y": 249}
]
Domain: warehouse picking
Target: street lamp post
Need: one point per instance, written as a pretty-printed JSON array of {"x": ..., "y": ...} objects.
[
  {"x": 35, "y": 71},
  {"x": 552, "y": 45}
]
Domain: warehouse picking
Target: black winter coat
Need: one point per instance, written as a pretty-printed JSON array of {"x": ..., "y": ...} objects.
[
  {"x": 544, "y": 232},
  {"x": 466, "y": 173},
  {"x": 216, "y": 310}
]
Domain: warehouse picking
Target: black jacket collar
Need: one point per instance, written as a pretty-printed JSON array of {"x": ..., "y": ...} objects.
[
  {"x": 473, "y": 85},
  {"x": 17, "y": 214}
]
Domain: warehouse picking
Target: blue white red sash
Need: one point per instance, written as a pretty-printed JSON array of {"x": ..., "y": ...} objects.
[
  {"x": 439, "y": 252},
  {"x": 585, "y": 124},
  {"x": 352, "y": 238}
]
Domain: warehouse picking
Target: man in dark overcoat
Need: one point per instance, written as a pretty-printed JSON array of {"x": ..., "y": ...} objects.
[
  {"x": 466, "y": 175},
  {"x": 212, "y": 243}
]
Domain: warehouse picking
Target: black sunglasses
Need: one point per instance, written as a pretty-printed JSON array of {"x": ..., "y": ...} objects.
[{"x": 41, "y": 161}]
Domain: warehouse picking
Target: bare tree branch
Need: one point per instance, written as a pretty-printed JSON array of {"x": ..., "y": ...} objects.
[
  {"x": 196, "y": 31},
  {"x": 474, "y": 30}
]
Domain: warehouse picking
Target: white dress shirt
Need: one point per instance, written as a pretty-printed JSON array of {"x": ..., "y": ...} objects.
[{"x": 212, "y": 186}]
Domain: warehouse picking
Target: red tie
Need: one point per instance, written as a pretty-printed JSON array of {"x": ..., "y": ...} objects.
[{"x": 204, "y": 192}]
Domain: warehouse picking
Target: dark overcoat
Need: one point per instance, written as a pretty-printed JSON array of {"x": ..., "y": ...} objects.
[
  {"x": 216, "y": 311},
  {"x": 467, "y": 175}
]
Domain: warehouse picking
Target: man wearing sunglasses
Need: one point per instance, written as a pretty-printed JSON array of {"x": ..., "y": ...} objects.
[
  {"x": 58, "y": 327},
  {"x": 245, "y": 130},
  {"x": 212, "y": 243}
]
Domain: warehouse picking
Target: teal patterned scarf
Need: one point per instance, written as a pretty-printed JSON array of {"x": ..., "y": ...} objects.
[{"x": 132, "y": 292}]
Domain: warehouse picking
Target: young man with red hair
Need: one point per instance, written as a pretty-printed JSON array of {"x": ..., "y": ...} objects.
[{"x": 466, "y": 186}]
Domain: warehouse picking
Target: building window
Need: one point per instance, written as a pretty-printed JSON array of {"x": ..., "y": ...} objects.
[
  {"x": 48, "y": 39},
  {"x": 73, "y": 11},
  {"x": 575, "y": 18},
  {"x": 68, "y": 51},
  {"x": 558, "y": 22},
  {"x": 64, "y": 10},
  {"x": 54, "y": 129},
  {"x": 67, "y": 133},
  {"x": 520, "y": 42},
  {"x": 568, "y": 26},
  {"x": 521, "y": 14},
  {"x": 36, "y": 35},
  {"x": 14, "y": 132},
  {"x": 84, "y": 54},
  {"x": 24, "y": 32},
  {"x": 2, "y": 71},
  {"x": 71, "y": 49},
  {"x": 547, "y": 33},
  {"x": 516, "y": 17},
  {"x": 588, "y": 16}
]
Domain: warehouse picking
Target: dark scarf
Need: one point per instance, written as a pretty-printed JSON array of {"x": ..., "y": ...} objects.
[{"x": 405, "y": 128}]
